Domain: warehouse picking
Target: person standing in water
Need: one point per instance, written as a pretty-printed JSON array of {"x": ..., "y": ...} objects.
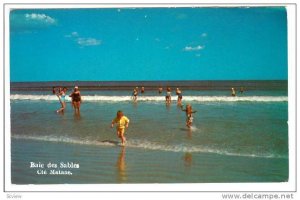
[
  {"x": 53, "y": 90},
  {"x": 76, "y": 99},
  {"x": 179, "y": 94},
  {"x": 142, "y": 90},
  {"x": 160, "y": 89},
  {"x": 242, "y": 90},
  {"x": 62, "y": 99},
  {"x": 168, "y": 96},
  {"x": 134, "y": 94},
  {"x": 189, "y": 115},
  {"x": 233, "y": 92},
  {"x": 122, "y": 123}
]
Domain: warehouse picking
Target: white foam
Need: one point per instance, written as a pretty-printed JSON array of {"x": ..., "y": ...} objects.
[
  {"x": 98, "y": 98},
  {"x": 147, "y": 145},
  {"x": 194, "y": 128}
]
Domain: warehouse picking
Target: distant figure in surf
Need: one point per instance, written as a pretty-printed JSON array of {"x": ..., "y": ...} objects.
[
  {"x": 134, "y": 94},
  {"x": 241, "y": 90},
  {"x": 233, "y": 92},
  {"x": 160, "y": 89},
  {"x": 189, "y": 115},
  {"x": 76, "y": 99},
  {"x": 62, "y": 99},
  {"x": 54, "y": 90},
  {"x": 143, "y": 90},
  {"x": 168, "y": 96},
  {"x": 122, "y": 123},
  {"x": 179, "y": 94}
]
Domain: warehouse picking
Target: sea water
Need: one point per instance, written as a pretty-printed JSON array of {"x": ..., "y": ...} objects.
[{"x": 233, "y": 139}]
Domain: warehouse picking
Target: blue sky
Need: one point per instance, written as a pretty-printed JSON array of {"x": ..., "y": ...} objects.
[{"x": 148, "y": 44}]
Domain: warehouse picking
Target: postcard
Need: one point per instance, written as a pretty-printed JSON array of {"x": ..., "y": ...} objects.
[{"x": 154, "y": 97}]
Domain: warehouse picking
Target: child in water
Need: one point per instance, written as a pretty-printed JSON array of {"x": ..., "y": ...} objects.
[
  {"x": 189, "y": 115},
  {"x": 122, "y": 123}
]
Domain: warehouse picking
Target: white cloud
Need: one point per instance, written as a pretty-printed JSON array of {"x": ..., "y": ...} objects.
[
  {"x": 30, "y": 22},
  {"x": 42, "y": 18},
  {"x": 88, "y": 42},
  {"x": 83, "y": 41},
  {"x": 74, "y": 34},
  {"x": 196, "y": 48}
]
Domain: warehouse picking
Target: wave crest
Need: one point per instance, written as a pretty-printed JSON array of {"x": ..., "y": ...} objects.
[{"x": 98, "y": 98}]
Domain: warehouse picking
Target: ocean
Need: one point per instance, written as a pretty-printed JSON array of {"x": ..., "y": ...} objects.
[{"x": 233, "y": 139}]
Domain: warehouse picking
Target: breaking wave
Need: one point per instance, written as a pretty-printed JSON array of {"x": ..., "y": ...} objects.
[{"x": 98, "y": 98}]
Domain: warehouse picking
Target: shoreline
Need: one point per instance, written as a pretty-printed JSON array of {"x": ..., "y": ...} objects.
[{"x": 119, "y": 165}]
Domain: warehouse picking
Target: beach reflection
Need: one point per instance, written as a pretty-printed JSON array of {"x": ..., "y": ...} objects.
[
  {"x": 135, "y": 104},
  {"x": 77, "y": 116},
  {"x": 121, "y": 166},
  {"x": 62, "y": 113},
  {"x": 168, "y": 106},
  {"x": 188, "y": 159},
  {"x": 189, "y": 133}
]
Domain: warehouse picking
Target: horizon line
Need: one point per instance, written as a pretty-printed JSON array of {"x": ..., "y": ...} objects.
[{"x": 147, "y": 80}]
